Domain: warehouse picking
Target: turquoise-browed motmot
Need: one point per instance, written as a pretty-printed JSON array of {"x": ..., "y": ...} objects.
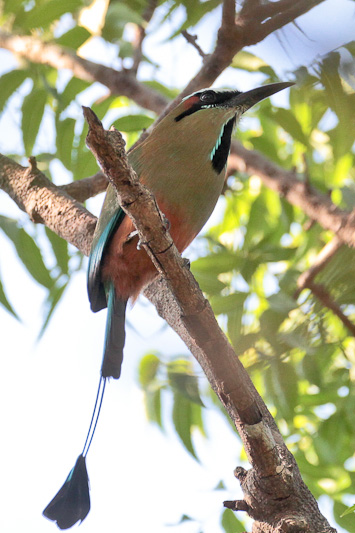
[{"x": 183, "y": 163}]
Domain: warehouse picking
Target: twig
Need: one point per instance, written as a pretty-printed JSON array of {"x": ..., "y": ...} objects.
[
  {"x": 324, "y": 297},
  {"x": 306, "y": 281},
  {"x": 192, "y": 39},
  {"x": 140, "y": 36},
  {"x": 322, "y": 259}
]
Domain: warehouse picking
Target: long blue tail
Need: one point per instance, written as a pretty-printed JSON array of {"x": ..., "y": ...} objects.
[
  {"x": 72, "y": 502},
  {"x": 115, "y": 334}
]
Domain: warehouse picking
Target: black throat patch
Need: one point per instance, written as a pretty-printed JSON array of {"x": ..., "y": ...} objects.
[{"x": 220, "y": 152}]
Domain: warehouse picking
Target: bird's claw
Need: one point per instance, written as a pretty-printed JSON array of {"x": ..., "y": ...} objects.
[
  {"x": 187, "y": 262},
  {"x": 166, "y": 223},
  {"x": 131, "y": 235}
]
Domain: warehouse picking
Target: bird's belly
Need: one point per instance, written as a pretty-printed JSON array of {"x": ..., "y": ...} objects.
[{"x": 128, "y": 266}]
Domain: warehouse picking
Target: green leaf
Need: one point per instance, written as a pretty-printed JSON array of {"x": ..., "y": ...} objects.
[
  {"x": 148, "y": 368},
  {"x": 28, "y": 251},
  {"x": 209, "y": 283},
  {"x": 216, "y": 263},
  {"x": 282, "y": 383},
  {"x": 287, "y": 120},
  {"x": 11, "y": 6},
  {"x": 9, "y": 83},
  {"x": 131, "y": 123},
  {"x": 60, "y": 250},
  {"x": 182, "y": 380},
  {"x": 5, "y": 302},
  {"x": 350, "y": 510},
  {"x": 346, "y": 521},
  {"x": 74, "y": 38},
  {"x": 182, "y": 418},
  {"x": 234, "y": 323},
  {"x": 282, "y": 303},
  {"x": 230, "y": 522},
  {"x": 228, "y": 304},
  {"x": 247, "y": 61},
  {"x": 245, "y": 342},
  {"x": 32, "y": 114},
  {"x": 84, "y": 163},
  {"x": 54, "y": 297},
  {"x": 152, "y": 399},
  {"x": 42, "y": 15},
  {"x": 72, "y": 88},
  {"x": 186, "y": 385},
  {"x": 259, "y": 223},
  {"x": 118, "y": 15},
  {"x": 162, "y": 89},
  {"x": 195, "y": 10},
  {"x": 65, "y": 140}
]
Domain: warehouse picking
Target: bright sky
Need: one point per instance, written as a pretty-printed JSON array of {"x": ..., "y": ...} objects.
[{"x": 140, "y": 478}]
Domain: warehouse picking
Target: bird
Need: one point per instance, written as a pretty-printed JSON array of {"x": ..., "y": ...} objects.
[{"x": 183, "y": 162}]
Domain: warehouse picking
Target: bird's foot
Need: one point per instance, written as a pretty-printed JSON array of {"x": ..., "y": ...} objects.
[
  {"x": 131, "y": 235},
  {"x": 166, "y": 223},
  {"x": 187, "y": 262}
]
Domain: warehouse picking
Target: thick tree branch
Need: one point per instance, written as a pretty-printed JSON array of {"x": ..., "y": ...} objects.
[
  {"x": 47, "y": 204},
  {"x": 274, "y": 477}
]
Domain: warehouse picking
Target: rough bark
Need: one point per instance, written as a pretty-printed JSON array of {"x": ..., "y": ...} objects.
[{"x": 45, "y": 203}]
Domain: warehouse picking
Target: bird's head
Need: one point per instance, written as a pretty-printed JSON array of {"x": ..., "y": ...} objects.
[
  {"x": 208, "y": 116},
  {"x": 224, "y": 102}
]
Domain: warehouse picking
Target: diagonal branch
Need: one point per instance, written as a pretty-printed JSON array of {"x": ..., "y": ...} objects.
[
  {"x": 325, "y": 298},
  {"x": 58, "y": 57},
  {"x": 320, "y": 262},
  {"x": 306, "y": 281},
  {"x": 316, "y": 205},
  {"x": 275, "y": 477}
]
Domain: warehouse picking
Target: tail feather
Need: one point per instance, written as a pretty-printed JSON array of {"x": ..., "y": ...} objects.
[{"x": 115, "y": 334}]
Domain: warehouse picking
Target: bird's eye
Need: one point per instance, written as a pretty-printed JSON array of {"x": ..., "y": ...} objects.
[{"x": 209, "y": 97}]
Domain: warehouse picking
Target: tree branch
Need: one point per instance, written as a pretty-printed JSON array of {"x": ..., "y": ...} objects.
[
  {"x": 58, "y": 57},
  {"x": 325, "y": 298},
  {"x": 306, "y": 281},
  {"x": 82, "y": 190},
  {"x": 320, "y": 262},
  {"x": 47, "y": 204},
  {"x": 274, "y": 476},
  {"x": 192, "y": 39},
  {"x": 140, "y": 36},
  {"x": 250, "y": 27},
  {"x": 316, "y": 205}
]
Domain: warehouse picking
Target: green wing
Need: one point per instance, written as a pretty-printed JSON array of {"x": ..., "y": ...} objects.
[{"x": 110, "y": 219}]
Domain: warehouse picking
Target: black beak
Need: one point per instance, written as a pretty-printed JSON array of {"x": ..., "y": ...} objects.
[{"x": 252, "y": 97}]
